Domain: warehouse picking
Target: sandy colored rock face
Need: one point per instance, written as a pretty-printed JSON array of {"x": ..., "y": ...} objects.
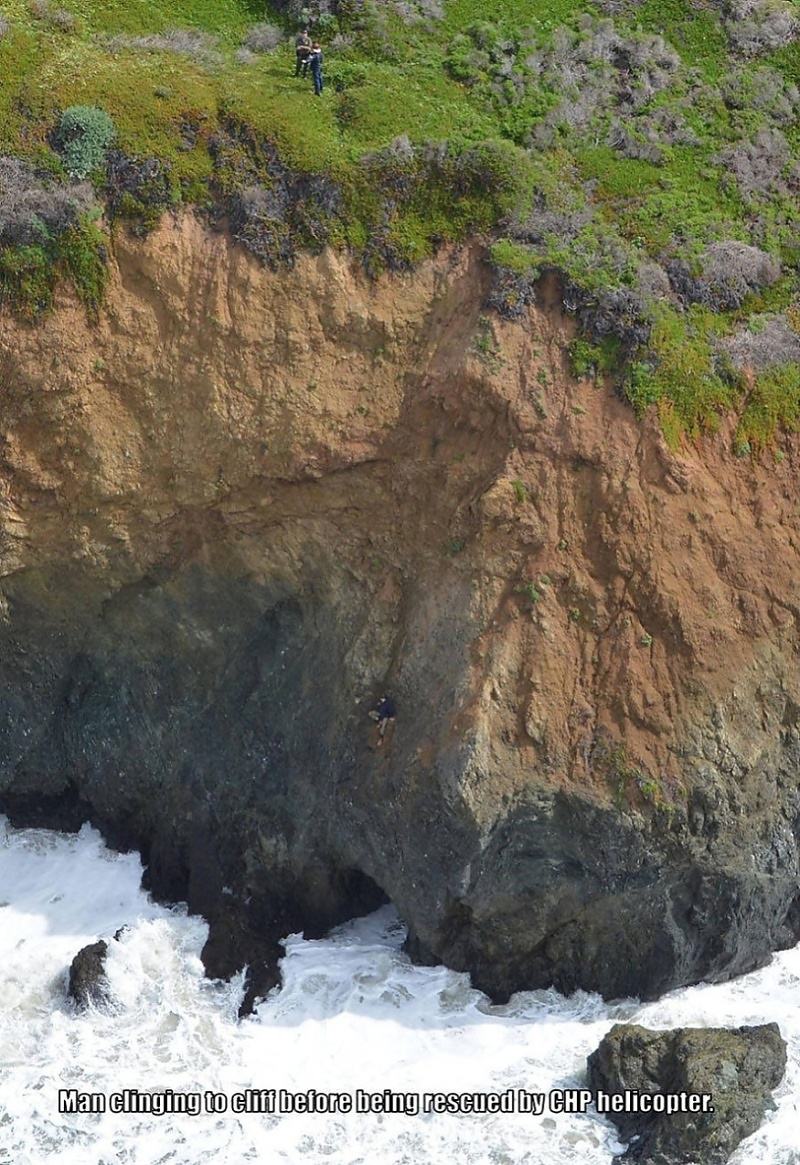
[{"x": 245, "y": 504}]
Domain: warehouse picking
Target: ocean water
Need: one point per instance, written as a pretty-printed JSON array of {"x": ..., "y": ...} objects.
[{"x": 353, "y": 1014}]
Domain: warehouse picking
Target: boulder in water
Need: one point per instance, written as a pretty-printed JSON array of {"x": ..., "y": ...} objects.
[
  {"x": 87, "y": 975},
  {"x": 738, "y": 1067}
]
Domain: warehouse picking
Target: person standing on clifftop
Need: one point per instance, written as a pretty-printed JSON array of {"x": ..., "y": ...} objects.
[
  {"x": 303, "y": 52},
  {"x": 315, "y": 64}
]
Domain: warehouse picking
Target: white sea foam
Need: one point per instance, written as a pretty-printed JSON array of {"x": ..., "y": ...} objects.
[{"x": 353, "y": 1014}]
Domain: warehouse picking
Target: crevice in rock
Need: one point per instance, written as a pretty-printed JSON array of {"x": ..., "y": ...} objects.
[{"x": 65, "y": 811}]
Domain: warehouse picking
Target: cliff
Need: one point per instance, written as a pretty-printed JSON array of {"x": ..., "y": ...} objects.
[{"x": 243, "y": 504}]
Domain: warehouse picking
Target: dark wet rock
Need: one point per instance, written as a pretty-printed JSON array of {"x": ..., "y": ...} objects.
[
  {"x": 738, "y": 1068},
  {"x": 87, "y": 975}
]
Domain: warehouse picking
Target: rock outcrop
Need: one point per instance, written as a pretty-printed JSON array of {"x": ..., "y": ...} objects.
[
  {"x": 243, "y": 504},
  {"x": 737, "y": 1068},
  {"x": 87, "y": 975}
]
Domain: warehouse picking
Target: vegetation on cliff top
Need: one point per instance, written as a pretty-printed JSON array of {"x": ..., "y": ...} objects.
[{"x": 649, "y": 150}]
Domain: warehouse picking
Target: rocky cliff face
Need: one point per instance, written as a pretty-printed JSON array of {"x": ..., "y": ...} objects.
[{"x": 243, "y": 505}]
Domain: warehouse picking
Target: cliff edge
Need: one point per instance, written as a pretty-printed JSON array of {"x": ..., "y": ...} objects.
[{"x": 243, "y": 504}]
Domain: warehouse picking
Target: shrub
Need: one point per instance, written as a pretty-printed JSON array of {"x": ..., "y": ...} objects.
[
  {"x": 82, "y": 138},
  {"x": 259, "y": 222},
  {"x": 414, "y": 11},
  {"x": 596, "y": 70},
  {"x": 59, "y": 18},
  {"x": 81, "y": 255},
  {"x": 680, "y": 375},
  {"x": 762, "y": 166},
  {"x": 594, "y": 359},
  {"x": 759, "y": 26},
  {"x": 531, "y": 593},
  {"x": 619, "y": 313},
  {"x": 633, "y": 141},
  {"x": 767, "y": 342},
  {"x": 343, "y": 75},
  {"x": 571, "y": 82},
  {"x": 513, "y": 292},
  {"x": 562, "y": 221},
  {"x": 583, "y": 358},
  {"x": 137, "y": 190},
  {"x": 421, "y": 196},
  {"x": 183, "y": 42},
  {"x": 644, "y": 138},
  {"x": 763, "y": 89},
  {"x": 62, "y": 19},
  {"x": 46, "y": 230},
  {"x": 653, "y": 282},
  {"x": 34, "y": 207},
  {"x": 272, "y": 209},
  {"x": 733, "y": 269},
  {"x": 599, "y": 270},
  {"x": 4, "y": 26},
  {"x": 26, "y": 280},
  {"x": 495, "y": 168},
  {"x": 480, "y": 53},
  {"x": 366, "y": 22},
  {"x": 262, "y": 38},
  {"x": 340, "y": 42},
  {"x": 729, "y": 272}
]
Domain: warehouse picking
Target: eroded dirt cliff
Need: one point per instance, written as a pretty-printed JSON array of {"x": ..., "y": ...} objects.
[{"x": 243, "y": 504}]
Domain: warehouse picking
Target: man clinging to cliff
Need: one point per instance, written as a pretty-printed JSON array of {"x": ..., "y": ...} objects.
[
  {"x": 385, "y": 713},
  {"x": 303, "y": 52}
]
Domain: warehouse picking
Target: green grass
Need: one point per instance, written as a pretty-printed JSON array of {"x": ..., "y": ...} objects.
[
  {"x": 28, "y": 275},
  {"x": 399, "y": 80},
  {"x": 594, "y": 359},
  {"x": 618, "y": 179},
  {"x": 225, "y": 18},
  {"x": 682, "y": 380},
  {"x": 773, "y": 403},
  {"x": 544, "y": 15},
  {"x": 694, "y": 31}
]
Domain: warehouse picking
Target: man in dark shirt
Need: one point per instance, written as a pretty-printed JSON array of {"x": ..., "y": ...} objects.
[
  {"x": 303, "y": 51},
  {"x": 315, "y": 64},
  {"x": 385, "y": 713}
]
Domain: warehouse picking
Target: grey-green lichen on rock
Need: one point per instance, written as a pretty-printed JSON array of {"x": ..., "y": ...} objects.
[{"x": 732, "y": 1072}]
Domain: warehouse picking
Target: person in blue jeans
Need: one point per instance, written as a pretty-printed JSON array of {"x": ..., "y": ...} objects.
[{"x": 315, "y": 64}]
